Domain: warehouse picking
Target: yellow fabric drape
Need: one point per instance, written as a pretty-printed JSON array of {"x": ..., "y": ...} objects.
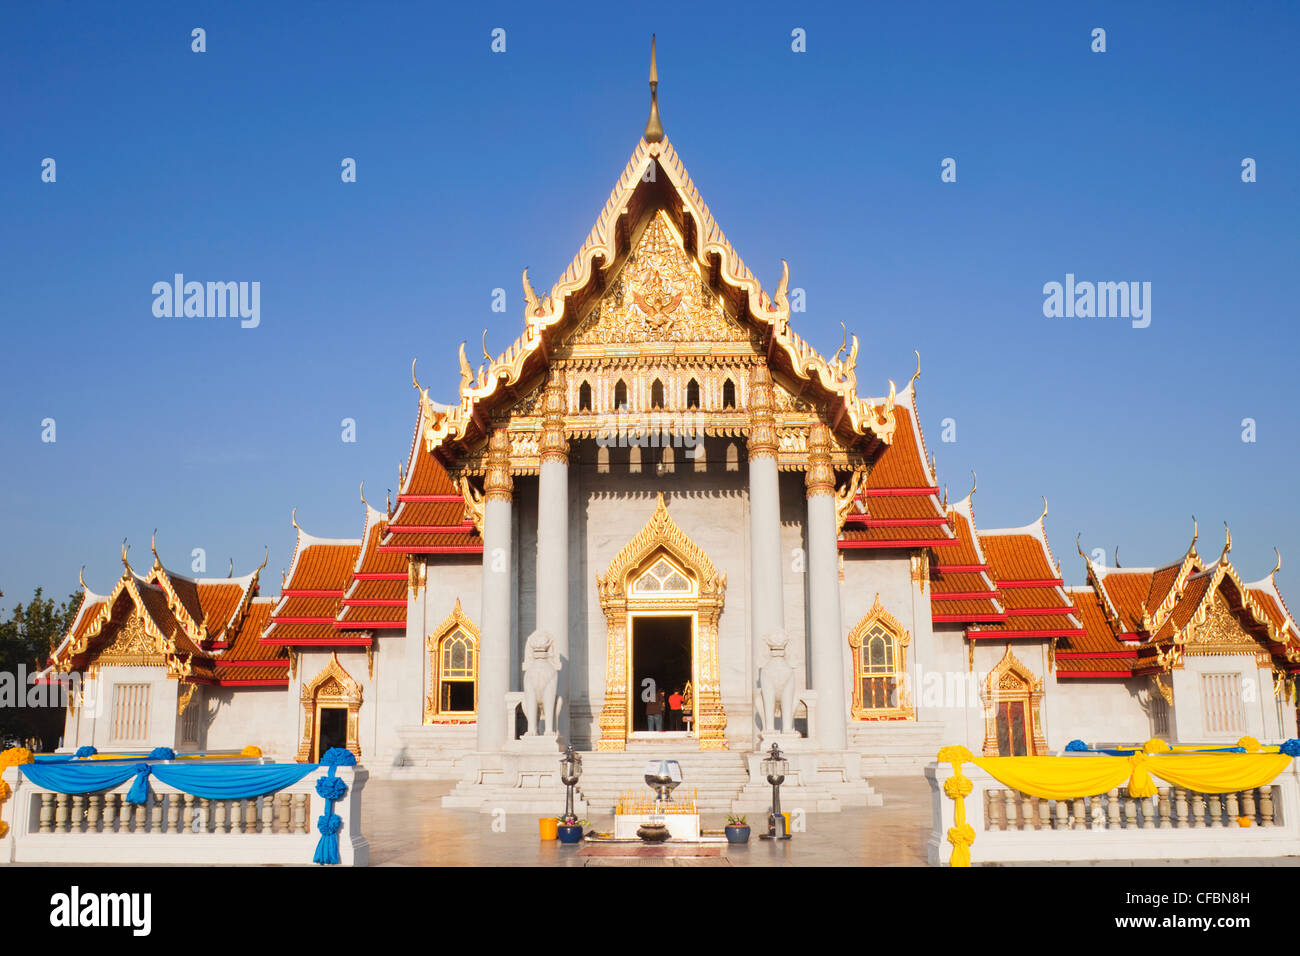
[
  {"x": 1064, "y": 778},
  {"x": 958, "y": 787}
]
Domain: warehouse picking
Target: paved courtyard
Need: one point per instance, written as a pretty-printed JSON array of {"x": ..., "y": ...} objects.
[{"x": 407, "y": 826}]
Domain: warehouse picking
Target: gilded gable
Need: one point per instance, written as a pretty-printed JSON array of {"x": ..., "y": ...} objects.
[{"x": 659, "y": 296}]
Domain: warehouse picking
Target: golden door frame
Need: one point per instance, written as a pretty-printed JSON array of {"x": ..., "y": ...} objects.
[
  {"x": 332, "y": 687},
  {"x": 661, "y": 537},
  {"x": 1010, "y": 681}
]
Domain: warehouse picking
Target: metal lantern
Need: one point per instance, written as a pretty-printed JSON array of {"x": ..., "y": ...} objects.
[
  {"x": 570, "y": 771},
  {"x": 775, "y": 767}
]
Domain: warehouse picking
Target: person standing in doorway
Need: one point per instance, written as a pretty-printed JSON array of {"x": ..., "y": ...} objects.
[
  {"x": 654, "y": 712},
  {"x": 675, "y": 710}
]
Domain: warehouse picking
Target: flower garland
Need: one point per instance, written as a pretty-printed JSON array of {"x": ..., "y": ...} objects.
[
  {"x": 958, "y": 787},
  {"x": 12, "y": 757}
]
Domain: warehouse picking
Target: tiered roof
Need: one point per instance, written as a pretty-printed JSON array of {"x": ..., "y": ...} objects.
[
  {"x": 1030, "y": 588},
  {"x": 1137, "y": 621},
  {"x": 962, "y": 587},
  {"x": 312, "y": 595},
  {"x": 201, "y": 629},
  {"x": 376, "y": 598},
  {"x": 898, "y": 506}
]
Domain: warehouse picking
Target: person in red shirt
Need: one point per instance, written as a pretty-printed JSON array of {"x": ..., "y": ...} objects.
[{"x": 675, "y": 710}]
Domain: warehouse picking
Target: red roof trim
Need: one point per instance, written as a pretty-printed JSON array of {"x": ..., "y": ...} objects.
[
  {"x": 268, "y": 682},
  {"x": 310, "y": 592},
  {"x": 225, "y": 663},
  {"x": 959, "y": 568},
  {"x": 322, "y": 641},
  {"x": 379, "y": 576},
  {"x": 369, "y": 625},
  {"x": 898, "y": 543},
  {"x": 1031, "y": 611},
  {"x": 376, "y": 602},
  {"x": 979, "y": 633},
  {"x": 959, "y": 618},
  {"x": 962, "y": 595},
  {"x": 1084, "y": 675},
  {"x": 1032, "y": 583},
  {"x": 302, "y": 620},
  {"x": 431, "y": 528},
  {"x": 434, "y": 549},
  {"x": 892, "y": 492},
  {"x": 433, "y": 499},
  {"x": 870, "y": 522},
  {"x": 1091, "y": 655}
]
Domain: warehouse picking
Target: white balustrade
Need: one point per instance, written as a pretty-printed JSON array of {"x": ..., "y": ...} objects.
[
  {"x": 1174, "y": 824},
  {"x": 176, "y": 827}
]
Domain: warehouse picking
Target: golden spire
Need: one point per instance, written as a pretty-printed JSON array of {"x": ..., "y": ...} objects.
[
  {"x": 265, "y": 558},
  {"x": 654, "y": 130},
  {"x": 1117, "y": 556},
  {"x": 1277, "y": 566},
  {"x": 231, "y": 572}
]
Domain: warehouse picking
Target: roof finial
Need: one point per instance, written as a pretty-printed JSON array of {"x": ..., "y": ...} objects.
[
  {"x": 974, "y": 483},
  {"x": 81, "y": 575},
  {"x": 1277, "y": 565},
  {"x": 1196, "y": 533},
  {"x": 1079, "y": 547},
  {"x": 265, "y": 558},
  {"x": 1044, "y": 514},
  {"x": 1227, "y": 544},
  {"x": 388, "y": 504},
  {"x": 231, "y": 572},
  {"x": 654, "y": 130},
  {"x": 917, "y": 373},
  {"x": 293, "y": 518},
  {"x": 125, "y": 563},
  {"x": 363, "y": 495},
  {"x": 945, "y": 496},
  {"x": 1117, "y": 556},
  {"x": 153, "y": 546}
]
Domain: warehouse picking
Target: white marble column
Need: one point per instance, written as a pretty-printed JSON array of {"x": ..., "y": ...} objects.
[
  {"x": 767, "y": 613},
  {"x": 553, "y": 539},
  {"x": 494, "y": 626},
  {"x": 827, "y": 663}
]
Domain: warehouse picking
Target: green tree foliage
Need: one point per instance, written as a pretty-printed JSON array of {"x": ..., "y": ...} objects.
[{"x": 27, "y": 639}]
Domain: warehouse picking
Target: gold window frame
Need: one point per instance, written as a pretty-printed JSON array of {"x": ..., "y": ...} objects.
[
  {"x": 455, "y": 622},
  {"x": 879, "y": 617}
]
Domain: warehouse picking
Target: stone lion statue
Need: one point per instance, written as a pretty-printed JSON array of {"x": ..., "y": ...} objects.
[
  {"x": 776, "y": 682},
  {"x": 541, "y": 674}
]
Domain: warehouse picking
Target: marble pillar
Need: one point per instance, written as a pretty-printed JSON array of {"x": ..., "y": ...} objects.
[
  {"x": 495, "y": 638},
  {"x": 825, "y": 637},
  {"x": 553, "y": 539},
  {"x": 767, "y": 611}
]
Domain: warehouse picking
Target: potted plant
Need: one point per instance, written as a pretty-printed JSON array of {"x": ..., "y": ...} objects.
[
  {"x": 737, "y": 830},
  {"x": 570, "y": 829}
]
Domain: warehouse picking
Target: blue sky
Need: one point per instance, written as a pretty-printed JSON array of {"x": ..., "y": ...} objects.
[{"x": 1115, "y": 166}]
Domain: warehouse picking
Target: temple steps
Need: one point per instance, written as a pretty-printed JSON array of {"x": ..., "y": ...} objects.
[
  {"x": 891, "y": 747},
  {"x": 716, "y": 777},
  {"x": 427, "y": 753}
]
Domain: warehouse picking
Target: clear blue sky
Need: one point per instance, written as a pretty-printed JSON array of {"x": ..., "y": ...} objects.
[{"x": 225, "y": 166}]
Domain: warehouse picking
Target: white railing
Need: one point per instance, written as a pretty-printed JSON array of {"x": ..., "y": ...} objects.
[
  {"x": 1174, "y": 824},
  {"x": 176, "y": 827}
]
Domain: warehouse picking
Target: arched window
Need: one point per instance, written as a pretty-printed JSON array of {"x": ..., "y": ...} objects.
[
  {"x": 879, "y": 646},
  {"x": 453, "y": 671},
  {"x": 692, "y": 394},
  {"x": 620, "y": 394},
  {"x": 584, "y": 397},
  {"x": 728, "y": 394},
  {"x": 1013, "y": 698},
  {"x": 657, "y": 394}
]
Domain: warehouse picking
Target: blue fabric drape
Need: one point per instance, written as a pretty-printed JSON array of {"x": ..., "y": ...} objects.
[
  {"x": 80, "y": 777},
  {"x": 241, "y": 782},
  {"x": 52, "y": 758}
]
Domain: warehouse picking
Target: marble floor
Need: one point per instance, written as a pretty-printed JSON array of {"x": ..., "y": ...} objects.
[{"x": 407, "y": 826}]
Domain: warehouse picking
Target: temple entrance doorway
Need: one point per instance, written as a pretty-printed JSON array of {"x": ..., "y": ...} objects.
[
  {"x": 333, "y": 730},
  {"x": 662, "y": 665}
]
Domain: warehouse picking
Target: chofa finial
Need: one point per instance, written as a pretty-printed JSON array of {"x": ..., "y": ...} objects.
[
  {"x": 1277, "y": 565},
  {"x": 1044, "y": 514},
  {"x": 974, "y": 483},
  {"x": 917, "y": 373},
  {"x": 231, "y": 573},
  {"x": 654, "y": 129},
  {"x": 265, "y": 558},
  {"x": 153, "y": 546},
  {"x": 293, "y": 518},
  {"x": 125, "y": 549},
  {"x": 1117, "y": 556}
]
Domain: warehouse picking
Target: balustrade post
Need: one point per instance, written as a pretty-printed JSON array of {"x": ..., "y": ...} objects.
[
  {"x": 1028, "y": 818},
  {"x": 1198, "y": 809},
  {"x": 1266, "y": 806},
  {"x": 47, "y": 812},
  {"x": 205, "y": 815},
  {"x": 110, "y": 812},
  {"x": 1009, "y": 798},
  {"x": 1180, "y": 807},
  {"x": 61, "y": 813},
  {"x": 92, "y": 816},
  {"x": 283, "y": 818},
  {"x": 155, "y": 812},
  {"x": 1062, "y": 814},
  {"x": 1044, "y": 814},
  {"x": 1165, "y": 809},
  {"x": 1130, "y": 812},
  {"x": 78, "y": 812},
  {"x": 250, "y": 815},
  {"x": 187, "y": 813},
  {"x": 1233, "y": 808},
  {"x": 268, "y": 808},
  {"x": 174, "y": 812},
  {"x": 1080, "y": 816},
  {"x": 1112, "y": 810}
]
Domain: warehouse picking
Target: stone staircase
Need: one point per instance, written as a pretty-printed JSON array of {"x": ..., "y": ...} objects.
[
  {"x": 716, "y": 777},
  {"x": 428, "y": 753},
  {"x": 891, "y": 747}
]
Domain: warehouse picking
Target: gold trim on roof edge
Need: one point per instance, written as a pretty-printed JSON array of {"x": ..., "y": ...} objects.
[{"x": 836, "y": 376}]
